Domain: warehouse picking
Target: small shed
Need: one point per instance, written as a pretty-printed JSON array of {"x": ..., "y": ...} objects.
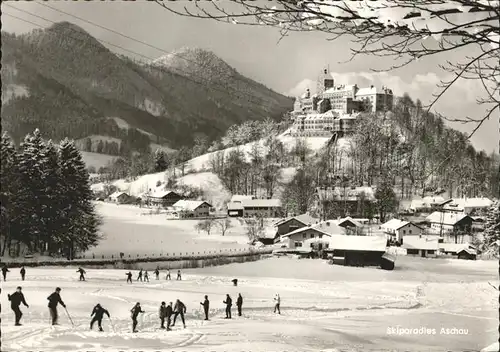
[
  {"x": 235, "y": 209},
  {"x": 357, "y": 250},
  {"x": 119, "y": 197},
  {"x": 467, "y": 253}
]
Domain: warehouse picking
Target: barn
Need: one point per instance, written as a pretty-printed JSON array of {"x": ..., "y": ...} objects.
[{"x": 356, "y": 250}]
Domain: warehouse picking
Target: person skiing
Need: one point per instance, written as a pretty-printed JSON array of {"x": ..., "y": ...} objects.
[
  {"x": 15, "y": 301},
  {"x": 168, "y": 275},
  {"x": 5, "y": 270},
  {"x": 23, "y": 273},
  {"x": 146, "y": 276},
  {"x": 54, "y": 299},
  {"x": 98, "y": 313},
  {"x": 277, "y": 301},
  {"x": 157, "y": 273},
  {"x": 229, "y": 303},
  {"x": 179, "y": 275},
  {"x": 235, "y": 282},
  {"x": 168, "y": 315},
  {"x": 205, "y": 304},
  {"x": 135, "y": 312},
  {"x": 139, "y": 277},
  {"x": 162, "y": 314},
  {"x": 179, "y": 308},
  {"x": 239, "y": 303},
  {"x": 81, "y": 271},
  {"x": 129, "y": 277}
]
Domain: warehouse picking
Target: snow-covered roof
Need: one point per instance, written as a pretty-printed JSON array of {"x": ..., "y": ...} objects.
[
  {"x": 260, "y": 203},
  {"x": 417, "y": 242},
  {"x": 468, "y": 250},
  {"x": 360, "y": 243},
  {"x": 337, "y": 193},
  {"x": 455, "y": 247},
  {"x": 306, "y": 219},
  {"x": 160, "y": 194},
  {"x": 328, "y": 228},
  {"x": 396, "y": 224},
  {"x": 366, "y": 91},
  {"x": 189, "y": 205},
  {"x": 241, "y": 197},
  {"x": 234, "y": 206},
  {"x": 117, "y": 194},
  {"x": 426, "y": 202},
  {"x": 353, "y": 221},
  {"x": 463, "y": 203},
  {"x": 445, "y": 218}
]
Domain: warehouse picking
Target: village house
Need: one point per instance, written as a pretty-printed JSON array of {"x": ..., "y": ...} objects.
[
  {"x": 422, "y": 246},
  {"x": 426, "y": 205},
  {"x": 459, "y": 250},
  {"x": 339, "y": 201},
  {"x": 119, "y": 197},
  {"x": 163, "y": 198},
  {"x": 192, "y": 208},
  {"x": 352, "y": 226},
  {"x": 451, "y": 226},
  {"x": 266, "y": 208},
  {"x": 396, "y": 229},
  {"x": 469, "y": 206},
  {"x": 293, "y": 223},
  {"x": 356, "y": 250},
  {"x": 295, "y": 239}
]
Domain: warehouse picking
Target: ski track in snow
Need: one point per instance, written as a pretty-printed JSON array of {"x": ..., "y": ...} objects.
[{"x": 316, "y": 315}]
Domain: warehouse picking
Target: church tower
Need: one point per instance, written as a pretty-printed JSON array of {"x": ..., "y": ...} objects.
[{"x": 325, "y": 81}]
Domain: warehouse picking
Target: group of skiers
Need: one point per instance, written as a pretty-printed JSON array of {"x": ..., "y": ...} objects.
[
  {"x": 165, "y": 311},
  {"x": 6, "y": 270},
  {"x": 144, "y": 275}
]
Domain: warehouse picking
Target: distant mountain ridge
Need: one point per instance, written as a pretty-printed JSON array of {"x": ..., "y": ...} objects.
[{"x": 65, "y": 82}]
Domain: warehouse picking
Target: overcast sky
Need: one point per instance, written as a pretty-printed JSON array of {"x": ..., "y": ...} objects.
[{"x": 287, "y": 66}]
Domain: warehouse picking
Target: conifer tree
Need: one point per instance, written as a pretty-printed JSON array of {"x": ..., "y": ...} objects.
[
  {"x": 491, "y": 235},
  {"x": 80, "y": 231},
  {"x": 9, "y": 191},
  {"x": 160, "y": 161}
]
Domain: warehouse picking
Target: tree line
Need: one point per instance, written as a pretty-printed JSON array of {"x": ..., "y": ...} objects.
[{"x": 46, "y": 198}]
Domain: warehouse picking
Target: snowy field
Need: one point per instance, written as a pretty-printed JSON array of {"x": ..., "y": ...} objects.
[
  {"x": 97, "y": 160},
  {"x": 324, "y": 307},
  {"x": 131, "y": 230}
]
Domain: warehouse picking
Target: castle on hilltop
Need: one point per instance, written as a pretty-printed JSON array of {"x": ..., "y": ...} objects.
[{"x": 334, "y": 109}]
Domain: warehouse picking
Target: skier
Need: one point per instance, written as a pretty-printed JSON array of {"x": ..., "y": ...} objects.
[
  {"x": 168, "y": 314},
  {"x": 5, "y": 270},
  {"x": 229, "y": 303},
  {"x": 135, "y": 312},
  {"x": 23, "y": 272},
  {"x": 277, "y": 299},
  {"x": 146, "y": 276},
  {"x": 15, "y": 301},
  {"x": 179, "y": 308},
  {"x": 162, "y": 314},
  {"x": 235, "y": 282},
  {"x": 205, "y": 304},
  {"x": 179, "y": 275},
  {"x": 81, "y": 271},
  {"x": 98, "y": 314},
  {"x": 157, "y": 273},
  {"x": 239, "y": 303},
  {"x": 139, "y": 277},
  {"x": 54, "y": 299},
  {"x": 168, "y": 275},
  {"x": 129, "y": 277}
]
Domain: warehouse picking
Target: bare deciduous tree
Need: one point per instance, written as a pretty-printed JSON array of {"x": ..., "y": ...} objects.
[
  {"x": 403, "y": 30},
  {"x": 224, "y": 225},
  {"x": 205, "y": 225}
]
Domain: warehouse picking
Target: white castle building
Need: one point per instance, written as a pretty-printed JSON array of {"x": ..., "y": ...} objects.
[{"x": 334, "y": 109}]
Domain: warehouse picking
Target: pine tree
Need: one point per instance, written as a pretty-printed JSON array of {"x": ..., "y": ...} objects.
[
  {"x": 160, "y": 161},
  {"x": 491, "y": 235},
  {"x": 10, "y": 220},
  {"x": 386, "y": 200},
  {"x": 80, "y": 231},
  {"x": 32, "y": 200}
]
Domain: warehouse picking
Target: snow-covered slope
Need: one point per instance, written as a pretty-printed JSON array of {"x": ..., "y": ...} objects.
[{"x": 323, "y": 308}]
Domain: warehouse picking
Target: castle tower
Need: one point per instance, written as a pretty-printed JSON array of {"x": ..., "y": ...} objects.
[{"x": 325, "y": 81}]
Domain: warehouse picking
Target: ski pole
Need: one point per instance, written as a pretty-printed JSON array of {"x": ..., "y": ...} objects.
[
  {"x": 112, "y": 325},
  {"x": 69, "y": 316}
]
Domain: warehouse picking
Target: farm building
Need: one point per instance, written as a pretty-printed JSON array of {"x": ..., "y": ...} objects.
[
  {"x": 295, "y": 222},
  {"x": 250, "y": 207},
  {"x": 467, "y": 253},
  {"x": 192, "y": 208},
  {"x": 421, "y": 246},
  {"x": 163, "y": 198},
  {"x": 454, "y": 248},
  {"x": 467, "y": 206},
  {"x": 241, "y": 198},
  {"x": 119, "y": 197},
  {"x": 352, "y": 226},
  {"x": 235, "y": 209},
  {"x": 356, "y": 250},
  {"x": 396, "y": 229},
  {"x": 451, "y": 226},
  {"x": 296, "y": 238}
]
